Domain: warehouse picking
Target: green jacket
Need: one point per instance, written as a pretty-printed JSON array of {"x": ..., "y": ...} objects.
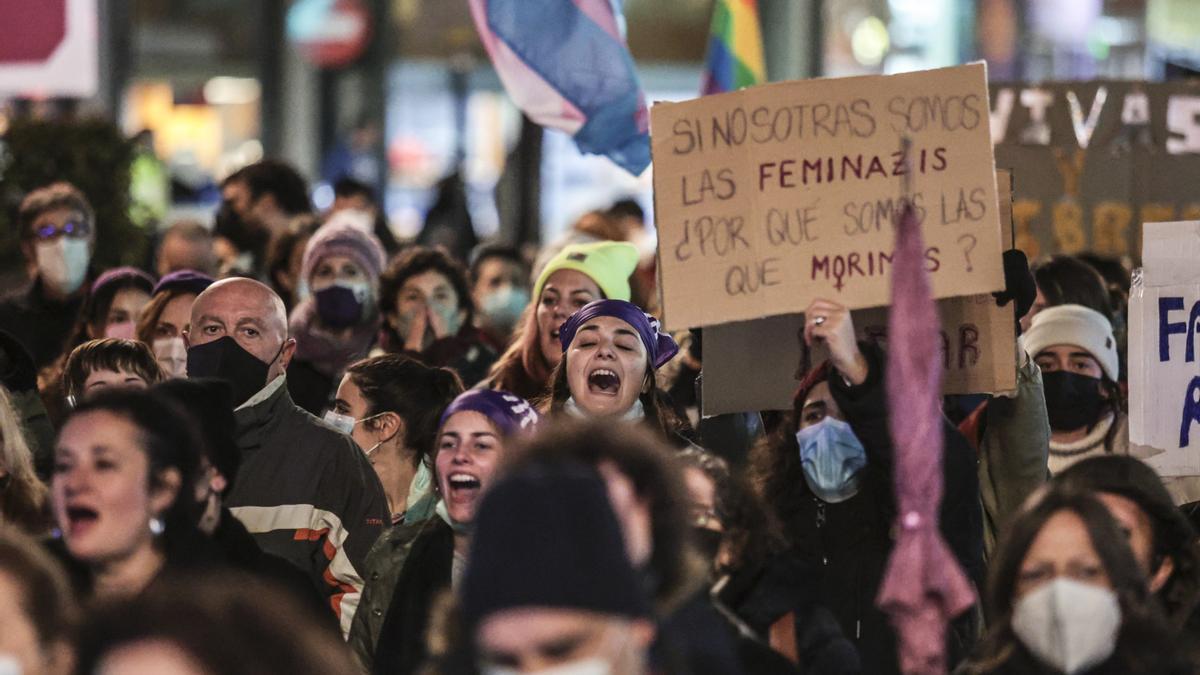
[
  {"x": 384, "y": 563},
  {"x": 1013, "y": 450}
]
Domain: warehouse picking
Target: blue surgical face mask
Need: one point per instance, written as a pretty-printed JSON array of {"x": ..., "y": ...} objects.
[
  {"x": 502, "y": 308},
  {"x": 832, "y": 458}
]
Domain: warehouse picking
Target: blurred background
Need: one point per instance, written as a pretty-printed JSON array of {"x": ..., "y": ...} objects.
[{"x": 399, "y": 93}]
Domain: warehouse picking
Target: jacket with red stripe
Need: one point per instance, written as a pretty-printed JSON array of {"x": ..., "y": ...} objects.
[{"x": 308, "y": 495}]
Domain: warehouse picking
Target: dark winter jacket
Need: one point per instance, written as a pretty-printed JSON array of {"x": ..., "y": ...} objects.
[
  {"x": 240, "y": 552},
  {"x": 781, "y": 588},
  {"x": 384, "y": 564},
  {"x": 40, "y": 324},
  {"x": 308, "y": 495},
  {"x": 847, "y": 544},
  {"x": 401, "y": 648},
  {"x": 694, "y": 638}
]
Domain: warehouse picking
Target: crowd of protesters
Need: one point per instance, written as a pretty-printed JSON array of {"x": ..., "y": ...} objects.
[{"x": 295, "y": 444}]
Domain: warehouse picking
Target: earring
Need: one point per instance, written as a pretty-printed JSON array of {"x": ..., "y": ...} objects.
[{"x": 156, "y": 526}]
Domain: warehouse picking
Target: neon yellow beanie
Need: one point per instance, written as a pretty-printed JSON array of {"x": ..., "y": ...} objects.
[{"x": 608, "y": 263}]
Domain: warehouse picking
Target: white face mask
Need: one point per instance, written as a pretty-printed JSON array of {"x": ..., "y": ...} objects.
[
  {"x": 343, "y": 423},
  {"x": 62, "y": 264},
  {"x": 171, "y": 355},
  {"x": 1068, "y": 624},
  {"x": 592, "y": 666},
  {"x": 346, "y": 423}
]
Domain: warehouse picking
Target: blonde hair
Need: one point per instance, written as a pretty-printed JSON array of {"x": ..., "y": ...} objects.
[{"x": 23, "y": 502}]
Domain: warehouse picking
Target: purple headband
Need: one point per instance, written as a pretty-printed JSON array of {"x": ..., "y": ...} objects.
[
  {"x": 509, "y": 412},
  {"x": 123, "y": 274},
  {"x": 660, "y": 347}
]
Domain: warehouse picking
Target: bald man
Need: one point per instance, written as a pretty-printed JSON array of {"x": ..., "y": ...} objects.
[{"x": 304, "y": 490}]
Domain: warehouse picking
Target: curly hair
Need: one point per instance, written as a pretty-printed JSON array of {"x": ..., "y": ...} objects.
[
  {"x": 751, "y": 534},
  {"x": 418, "y": 260}
]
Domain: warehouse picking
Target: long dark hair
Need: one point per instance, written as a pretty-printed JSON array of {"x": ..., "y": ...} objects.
[
  {"x": 416, "y": 392},
  {"x": 170, "y": 440},
  {"x": 775, "y": 471},
  {"x": 1143, "y": 643}
]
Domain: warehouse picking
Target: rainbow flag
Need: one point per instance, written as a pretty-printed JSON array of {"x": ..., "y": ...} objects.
[{"x": 735, "y": 48}]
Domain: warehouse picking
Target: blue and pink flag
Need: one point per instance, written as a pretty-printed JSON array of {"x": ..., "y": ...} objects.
[{"x": 566, "y": 65}]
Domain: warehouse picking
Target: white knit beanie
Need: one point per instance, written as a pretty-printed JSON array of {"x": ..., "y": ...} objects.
[{"x": 1074, "y": 325}]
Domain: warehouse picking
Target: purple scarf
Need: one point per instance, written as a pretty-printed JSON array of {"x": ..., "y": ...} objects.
[
  {"x": 660, "y": 347},
  {"x": 317, "y": 345}
]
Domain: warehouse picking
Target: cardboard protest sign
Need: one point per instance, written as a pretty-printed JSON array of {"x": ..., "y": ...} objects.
[
  {"x": 1094, "y": 160},
  {"x": 1164, "y": 373},
  {"x": 755, "y": 365},
  {"x": 769, "y": 197}
]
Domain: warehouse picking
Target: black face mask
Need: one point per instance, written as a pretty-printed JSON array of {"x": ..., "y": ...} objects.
[
  {"x": 1073, "y": 401},
  {"x": 225, "y": 360}
]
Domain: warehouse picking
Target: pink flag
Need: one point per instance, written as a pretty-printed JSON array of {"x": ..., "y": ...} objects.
[{"x": 924, "y": 587}]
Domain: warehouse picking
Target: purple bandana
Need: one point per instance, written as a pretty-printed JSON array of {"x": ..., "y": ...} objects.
[
  {"x": 660, "y": 347},
  {"x": 188, "y": 281},
  {"x": 122, "y": 274},
  {"x": 509, "y": 412}
]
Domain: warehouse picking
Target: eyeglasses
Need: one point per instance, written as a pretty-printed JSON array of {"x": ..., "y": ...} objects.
[{"x": 71, "y": 228}]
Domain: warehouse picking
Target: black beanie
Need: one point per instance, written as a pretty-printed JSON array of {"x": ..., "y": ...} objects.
[
  {"x": 209, "y": 402},
  {"x": 1135, "y": 480},
  {"x": 546, "y": 536}
]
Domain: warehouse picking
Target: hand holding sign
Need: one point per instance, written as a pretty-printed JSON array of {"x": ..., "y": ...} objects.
[{"x": 830, "y": 324}]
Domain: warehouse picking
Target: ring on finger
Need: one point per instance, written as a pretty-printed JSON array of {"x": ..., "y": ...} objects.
[{"x": 819, "y": 321}]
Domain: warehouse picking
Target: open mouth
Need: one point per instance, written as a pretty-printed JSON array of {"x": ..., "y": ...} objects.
[
  {"x": 464, "y": 485},
  {"x": 604, "y": 381},
  {"x": 81, "y": 518}
]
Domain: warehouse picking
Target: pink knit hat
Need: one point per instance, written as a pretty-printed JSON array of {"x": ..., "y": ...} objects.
[{"x": 342, "y": 237}]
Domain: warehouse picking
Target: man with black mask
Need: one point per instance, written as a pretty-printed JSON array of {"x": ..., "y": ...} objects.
[
  {"x": 1075, "y": 349},
  {"x": 304, "y": 490},
  {"x": 257, "y": 203}
]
